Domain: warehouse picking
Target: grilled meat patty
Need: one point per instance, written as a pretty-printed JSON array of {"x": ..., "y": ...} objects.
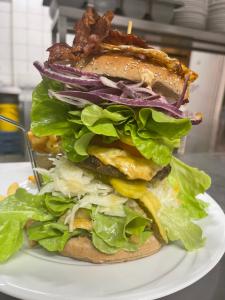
[{"x": 95, "y": 165}]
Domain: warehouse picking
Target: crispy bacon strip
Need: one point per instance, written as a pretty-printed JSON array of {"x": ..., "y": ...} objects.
[
  {"x": 60, "y": 52},
  {"x": 90, "y": 31},
  {"x": 117, "y": 37}
]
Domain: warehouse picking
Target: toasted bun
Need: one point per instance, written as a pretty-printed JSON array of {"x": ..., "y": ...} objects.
[
  {"x": 81, "y": 248},
  {"x": 161, "y": 79}
]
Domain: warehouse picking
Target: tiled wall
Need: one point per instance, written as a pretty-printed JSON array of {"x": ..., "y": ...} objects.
[
  {"x": 25, "y": 34},
  {"x": 5, "y": 42}
]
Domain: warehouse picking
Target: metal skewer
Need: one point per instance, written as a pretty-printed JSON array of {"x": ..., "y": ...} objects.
[{"x": 29, "y": 149}]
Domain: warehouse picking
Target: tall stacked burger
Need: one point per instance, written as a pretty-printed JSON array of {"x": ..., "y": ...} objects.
[{"x": 110, "y": 108}]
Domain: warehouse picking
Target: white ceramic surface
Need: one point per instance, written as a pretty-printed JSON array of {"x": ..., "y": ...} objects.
[{"x": 36, "y": 274}]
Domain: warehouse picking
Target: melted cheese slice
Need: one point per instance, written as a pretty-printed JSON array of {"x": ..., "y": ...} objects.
[
  {"x": 139, "y": 191},
  {"x": 131, "y": 166},
  {"x": 82, "y": 224},
  {"x": 82, "y": 220},
  {"x": 156, "y": 55}
]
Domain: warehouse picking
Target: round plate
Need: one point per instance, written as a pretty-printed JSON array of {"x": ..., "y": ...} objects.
[{"x": 34, "y": 274}]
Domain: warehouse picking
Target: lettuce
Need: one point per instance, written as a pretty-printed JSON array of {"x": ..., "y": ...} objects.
[
  {"x": 51, "y": 235},
  {"x": 26, "y": 206},
  {"x": 93, "y": 113},
  {"x": 21, "y": 207},
  {"x": 190, "y": 182},
  {"x": 113, "y": 233},
  {"x": 172, "y": 215},
  {"x": 82, "y": 143},
  {"x": 56, "y": 243},
  {"x": 67, "y": 143},
  {"x": 179, "y": 226},
  {"x": 155, "y": 134},
  {"x": 101, "y": 245},
  {"x": 160, "y": 124},
  {"x": 11, "y": 234},
  {"x": 48, "y": 116},
  {"x": 151, "y": 148},
  {"x": 104, "y": 127},
  {"x": 15, "y": 211},
  {"x": 39, "y": 231},
  {"x": 177, "y": 221},
  {"x": 58, "y": 205}
]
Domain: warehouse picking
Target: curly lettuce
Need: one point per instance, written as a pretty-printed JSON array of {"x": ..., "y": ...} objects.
[
  {"x": 15, "y": 211},
  {"x": 190, "y": 182},
  {"x": 152, "y": 132},
  {"x": 110, "y": 234},
  {"x": 47, "y": 212}
]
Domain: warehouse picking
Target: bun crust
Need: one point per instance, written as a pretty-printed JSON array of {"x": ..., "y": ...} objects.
[
  {"x": 81, "y": 248},
  {"x": 161, "y": 79}
]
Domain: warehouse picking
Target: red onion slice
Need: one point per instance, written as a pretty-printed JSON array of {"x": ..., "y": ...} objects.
[
  {"x": 65, "y": 78},
  {"x": 181, "y": 99},
  {"x": 90, "y": 88},
  {"x": 86, "y": 96},
  {"x": 107, "y": 82},
  {"x": 79, "y": 102},
  {"x": 71, "y": 70}
]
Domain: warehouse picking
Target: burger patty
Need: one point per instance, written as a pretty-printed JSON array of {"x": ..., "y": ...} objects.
[{"x": 95, "y": 165}]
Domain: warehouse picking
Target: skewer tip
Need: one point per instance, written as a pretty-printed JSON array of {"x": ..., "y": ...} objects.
[{"x": 129, "y": 27}]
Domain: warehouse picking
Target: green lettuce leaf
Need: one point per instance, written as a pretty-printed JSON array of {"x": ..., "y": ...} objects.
[
  {"x": 25, "y": 205},
  {"x": 51, "y": 236},
  {"x": 190, "y": 182},
  {"x": 49, "y": 116},
  {"x": 115, "y": 231},
  {"x": 15, "y": 211},
  {"x": 104, "y": 127},
  {"x": 153, "y": 133},
  {"x": 151, "y": 148},
  {"x": 93, "y": 113},
  {"x": 11, "y": 234},
  {"x": 159, "y": 124},
  {"x": 75, "y": 116},
  {"x": 39, "y": 231},
  {"x": 135, "y": 223},
  {"x": 101, "y": 245},
  {"x": 82, "y": 143},
  {"x": 58, "y": 205},
  {"x": 56, "y": 243},
  {"x": 68, "y": 143},
  {"x": 179, "y": 227}
]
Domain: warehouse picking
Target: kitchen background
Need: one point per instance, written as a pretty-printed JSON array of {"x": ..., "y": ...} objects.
[{"x": 192, "y": 30}]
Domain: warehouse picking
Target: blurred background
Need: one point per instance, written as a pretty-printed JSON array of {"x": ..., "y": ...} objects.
[{"x": 191, "y": 30}]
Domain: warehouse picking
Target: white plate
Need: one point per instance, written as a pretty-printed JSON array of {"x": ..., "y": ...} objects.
[{"x": 36, "y": 274}]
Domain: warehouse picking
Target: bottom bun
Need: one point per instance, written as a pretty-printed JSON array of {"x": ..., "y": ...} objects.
[{"x": 81, "y": 248}]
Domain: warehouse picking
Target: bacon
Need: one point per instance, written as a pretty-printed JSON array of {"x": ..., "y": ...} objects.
[
  {"x": 90, "y": 31},
  {"x": 60, "y": 52},
  {"x": 116, "y": 37}
]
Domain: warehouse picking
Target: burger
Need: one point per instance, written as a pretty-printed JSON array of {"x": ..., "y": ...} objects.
[{"x": 111, "y": 110}]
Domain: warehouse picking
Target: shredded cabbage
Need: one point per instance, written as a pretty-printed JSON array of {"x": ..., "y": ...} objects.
[{"x": 71, "y": 181}]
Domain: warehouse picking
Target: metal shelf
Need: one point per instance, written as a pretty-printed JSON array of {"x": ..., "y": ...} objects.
[{"x": 155, "y": 33}]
